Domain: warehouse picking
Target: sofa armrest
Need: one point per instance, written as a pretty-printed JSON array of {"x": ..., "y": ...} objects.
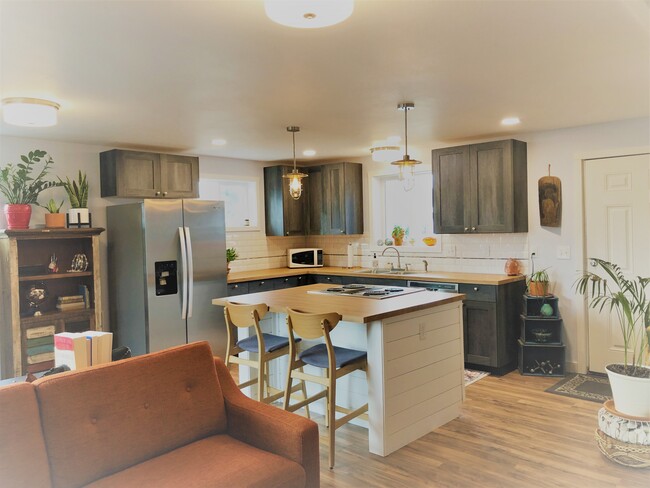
[{"x": 270, "y": 428}]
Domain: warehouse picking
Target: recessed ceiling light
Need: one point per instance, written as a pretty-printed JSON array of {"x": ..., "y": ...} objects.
[
  {"x": 29, "y": 112},
  {"x": 308, "y": 14},
  {"x": 219, "y": 142},
  {"x": 510, "y": 121},
  {"x": 309, "y": 152}
]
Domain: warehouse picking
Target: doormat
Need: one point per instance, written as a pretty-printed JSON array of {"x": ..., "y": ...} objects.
[
  {"x": 594, "y": 388},
  {"x": 472, "y": 376}
]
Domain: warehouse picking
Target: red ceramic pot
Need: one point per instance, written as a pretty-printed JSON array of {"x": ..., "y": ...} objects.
[{"x": 18, "y": 215}]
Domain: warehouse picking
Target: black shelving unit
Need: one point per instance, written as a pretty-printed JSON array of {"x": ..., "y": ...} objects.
[{"x": 541, "y": 351}]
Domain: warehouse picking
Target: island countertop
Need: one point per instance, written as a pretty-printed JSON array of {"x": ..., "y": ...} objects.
[
  {"x": 439, "y": 276},
  {"x": 353, "y": 309}
]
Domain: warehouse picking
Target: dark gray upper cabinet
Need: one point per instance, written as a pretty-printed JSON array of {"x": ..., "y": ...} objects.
[
  {"x": 342, "y": 199},
  {"x": 135, "y": 174},
  {"x": 284, "y": 215},
  {"x": 480, "y": 188},
  {"x": 331, "y": 203}
]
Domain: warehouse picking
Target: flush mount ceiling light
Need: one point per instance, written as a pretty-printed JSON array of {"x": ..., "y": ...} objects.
[
  {"x": 385, "y": 154},
  {"x": 29, "y": 112},
  {"x": 308, "y": 14},
  {"x": 510, "y": 121},
  {"x": 219, "y": 142},
  {"x": 309, "y": 152},
  {"x": 406, "y": 164},
  {"x": 295, "y": 177}
]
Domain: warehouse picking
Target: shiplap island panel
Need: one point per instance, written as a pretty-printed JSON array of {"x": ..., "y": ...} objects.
[{"x": 415, "y": 356}]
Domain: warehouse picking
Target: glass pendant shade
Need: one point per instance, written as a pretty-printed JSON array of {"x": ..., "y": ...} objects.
[
  {"x": 406, "y": 164},
  {"x": 295, "y": 177},
  {"x": 29, "y": 112}
]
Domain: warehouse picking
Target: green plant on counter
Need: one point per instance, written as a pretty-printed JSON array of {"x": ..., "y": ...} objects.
[
  {"x": 398, "y": 232},
  {"x": 52, "y": 206},
  {"x": 231, "y": 254},
  {"x": 77, "y": 190},
  {"x": 18, "y": 184}
]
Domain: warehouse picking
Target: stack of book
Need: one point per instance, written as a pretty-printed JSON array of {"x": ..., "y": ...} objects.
[
  {"x": 40, "y": 348},
  {"x": 70, "y": 302},
  {"x": 79, "y": 350}
]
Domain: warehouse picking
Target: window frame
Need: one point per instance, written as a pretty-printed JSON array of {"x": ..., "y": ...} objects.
[{"x": 256, "y": 181}]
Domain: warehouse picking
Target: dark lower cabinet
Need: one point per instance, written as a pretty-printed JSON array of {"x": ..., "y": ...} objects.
[
  {"x": 235, "y": 289},
  {"x": 257, "y": 286},
  {"x": 490, "y": 325}
]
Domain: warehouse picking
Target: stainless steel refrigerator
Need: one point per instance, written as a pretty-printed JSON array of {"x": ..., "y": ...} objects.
[{"x": 166, "y": 262}]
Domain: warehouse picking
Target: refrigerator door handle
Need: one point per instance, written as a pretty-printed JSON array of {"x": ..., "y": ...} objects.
[
  {"x": 190, "y": 277},
  {"x": 181, "y": 237}
]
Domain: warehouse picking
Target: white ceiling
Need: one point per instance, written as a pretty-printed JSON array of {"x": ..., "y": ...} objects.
[{"x": 173, "y": 75}]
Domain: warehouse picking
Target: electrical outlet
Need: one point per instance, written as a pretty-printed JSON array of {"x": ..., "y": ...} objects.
[
  {"x": 563, "y": 252},
  {"x": 532, "y": 250}
]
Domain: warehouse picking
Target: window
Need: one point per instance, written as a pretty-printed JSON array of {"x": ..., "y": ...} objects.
[
  {"x": 240, "y": 198},
  {"x": 412, "y": 210}
]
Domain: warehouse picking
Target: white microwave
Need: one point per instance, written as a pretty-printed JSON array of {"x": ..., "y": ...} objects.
[{"x": 304, "y": 258}]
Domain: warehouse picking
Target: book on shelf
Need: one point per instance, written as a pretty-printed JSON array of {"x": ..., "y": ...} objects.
[
  {"x": 40, "y": 341},
  {"x": 39, "y": 358},
  {"x": 36, "y": 332},
  {"x": 70, "y": 299},
  {"x": 85, "y": 293},
  {"x": 36, "y": 350},
  {"x": 70, "y": 306},
  {"x": 44, "y": 366}
]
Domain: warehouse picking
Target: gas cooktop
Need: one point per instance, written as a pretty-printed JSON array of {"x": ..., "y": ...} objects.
[{"x": 366, "y": 291}]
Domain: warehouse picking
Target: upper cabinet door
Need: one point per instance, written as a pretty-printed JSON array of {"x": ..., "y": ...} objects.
[
  {"x": 315, "y": 184},
  {"x": 284, "y": 216},
  {"x": 179, "y": 176},
  {"x": 333, "y": 199},
  {"x": 451, "y": 188}
]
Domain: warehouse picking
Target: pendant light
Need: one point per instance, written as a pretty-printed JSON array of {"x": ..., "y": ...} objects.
[
  {"x": 295, "y": 177},
  {"x": 406, "y": 164}
]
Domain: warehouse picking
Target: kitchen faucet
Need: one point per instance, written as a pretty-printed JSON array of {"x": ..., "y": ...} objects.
[{"x": 399, "y": 265}]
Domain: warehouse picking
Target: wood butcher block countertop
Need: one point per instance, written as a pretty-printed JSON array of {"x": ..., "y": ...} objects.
[
  {"x": 353, "y": 309},
  {"x": 439, "y": 276}
]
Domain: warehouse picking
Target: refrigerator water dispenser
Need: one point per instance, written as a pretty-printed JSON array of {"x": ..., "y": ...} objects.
[{"x": 166, "y": 280}]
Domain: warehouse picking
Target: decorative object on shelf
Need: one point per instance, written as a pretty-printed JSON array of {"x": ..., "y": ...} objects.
[
  {"x": 21, "y": 187},
  {"x": 54, "y": 219},
  {"x": 512, "y": 267},
  {"x": 546, "y": 310},
  {"x": 35, "y": 297},
  {"x": 29, "y": 112},
  {"x": 430, "y": 241},
  {"x": 308, "y": 14},
  {"x": 542, "y": 335},
  {"x": 388, "y": 241},
  {"x": 630, "y": 381},
  {"x": 406, "y": 164},
  {"x": 79, "y": 263},
  {"x": 537, "y": 283},
  {"x": 53, "y": 267},
  {"x": 541, "y": 352},
  {"x": 231, "y": 255},
  {"x": 398, "y": 235},
  {"x": 550, "y": 200},
  {"x": 295, "y": 177},
  {"x": 77, "y": 191}
]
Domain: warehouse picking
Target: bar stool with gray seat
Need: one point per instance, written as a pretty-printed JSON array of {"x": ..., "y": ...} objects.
[
  {"x": 266, "y": 346},
  {"x": 335, "y": 361}
]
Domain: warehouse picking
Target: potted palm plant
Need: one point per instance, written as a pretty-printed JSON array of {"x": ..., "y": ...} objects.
[
  {"x": 628, "y": 299},
  {"x": 231, "y": 255},
  {"x": 398, "y": 235},
  {"x": 537, "y": 284},
  {"x": 21, "y": 186},
  {"x": 77, "y": 191},
  {"x": 54, "y": 219}
]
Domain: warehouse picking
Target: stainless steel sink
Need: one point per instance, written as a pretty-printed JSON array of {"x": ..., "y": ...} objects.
[{"x": 386, "y": 271}]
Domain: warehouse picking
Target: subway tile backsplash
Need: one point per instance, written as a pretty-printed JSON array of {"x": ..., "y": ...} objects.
[{"x": 483, "y": 253}]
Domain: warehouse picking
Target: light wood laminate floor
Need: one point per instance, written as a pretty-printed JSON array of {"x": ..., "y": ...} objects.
[{"x": 511, "y": 434}]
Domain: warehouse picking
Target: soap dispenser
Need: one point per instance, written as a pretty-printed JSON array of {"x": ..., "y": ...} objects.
[{"x": 375, "y": 262}]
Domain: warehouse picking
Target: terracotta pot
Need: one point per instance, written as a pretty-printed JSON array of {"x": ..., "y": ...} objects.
[
  {"x": 55, "y": 220},
  {"x": 18, "y": 215},
  {"x": 399, "y": 241},
  {"x": 538, "y": 288}
]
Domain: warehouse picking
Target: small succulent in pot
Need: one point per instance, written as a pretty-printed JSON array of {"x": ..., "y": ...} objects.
[
  {"x": 231, "y": 254},
  {"x": 537, "y": 283},
  {"x": 52, "y": 207}
]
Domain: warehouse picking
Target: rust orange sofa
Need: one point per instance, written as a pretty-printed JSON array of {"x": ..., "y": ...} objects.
[{"x": 174, "y": 418}]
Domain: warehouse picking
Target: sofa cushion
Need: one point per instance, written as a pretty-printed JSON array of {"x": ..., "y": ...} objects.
[
  {"x": 23, "y": 459},
  {"x": 106, "y": 418},
  {"x": 219, "y": 460}
]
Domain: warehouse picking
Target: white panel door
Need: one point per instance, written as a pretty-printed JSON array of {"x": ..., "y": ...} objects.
[{"x": 617, "y": 223}]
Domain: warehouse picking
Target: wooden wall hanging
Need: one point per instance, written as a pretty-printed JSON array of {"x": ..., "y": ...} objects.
[{"x": 550, "y": 200}]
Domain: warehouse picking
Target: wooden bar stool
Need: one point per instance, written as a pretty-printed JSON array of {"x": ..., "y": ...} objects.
[
  {"x": 335, "y": 361},
  {"x": 266, "y": 346}
]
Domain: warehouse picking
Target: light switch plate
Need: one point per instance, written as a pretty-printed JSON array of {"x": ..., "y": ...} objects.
[{"x": 563, "y": 252}]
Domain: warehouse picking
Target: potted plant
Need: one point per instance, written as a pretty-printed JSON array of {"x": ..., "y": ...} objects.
[
  {"x": 21, "y": 187},
  {"x": 54, "y": 219},
  {"x": 398, "y": 235},
  {"x": 231, "y": 255},
  {"x": 537, "y": 284},
  {"x": 628, "y": 298},
  {"x": 77, "y": 191}
]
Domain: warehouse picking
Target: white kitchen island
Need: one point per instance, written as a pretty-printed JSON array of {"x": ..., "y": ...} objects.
[{"x": 415, "y": 355}]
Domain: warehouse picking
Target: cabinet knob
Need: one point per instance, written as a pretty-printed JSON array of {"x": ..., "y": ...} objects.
[
  {"x": 261, "y": 283},
  {"x": 286, "y": 280},
  {"x": 287, "y": 233},
  {"x": 473, "y": 229},
  {"x": 236, "y": 286},
  {"x": 466, "y": 229},
  {"x": 476, "y": 288},
  {"x": 164, "y": 194},
  {"x": 157, "y": 193},
  {"x": 342, "y": 231}
]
